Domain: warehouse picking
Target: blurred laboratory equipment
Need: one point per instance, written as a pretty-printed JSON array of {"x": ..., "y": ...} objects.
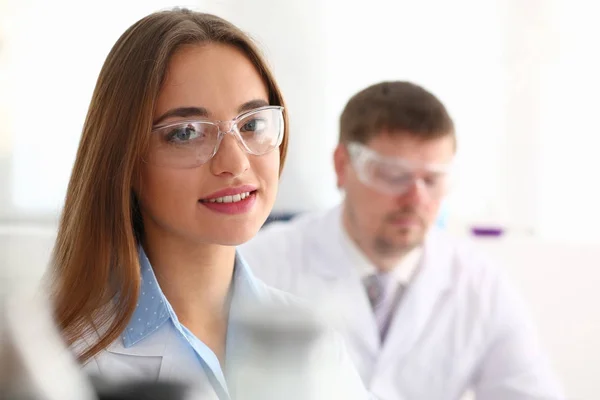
[
  {"x": 279, "y": 355},
  {"x": 34, "y": 363}
]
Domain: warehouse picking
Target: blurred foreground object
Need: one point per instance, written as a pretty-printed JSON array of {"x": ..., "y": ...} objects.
[
  {"x": 34, "y": 364},
  {"x": 281, "y": 350},
  {"x": 144, "y": 391}
]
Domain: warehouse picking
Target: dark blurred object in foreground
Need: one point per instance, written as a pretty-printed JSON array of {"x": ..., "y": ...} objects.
[{"x": 141, "y": 391}]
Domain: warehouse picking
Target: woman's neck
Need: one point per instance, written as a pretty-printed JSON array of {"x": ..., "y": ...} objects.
[{"x": 196, "y": 279}]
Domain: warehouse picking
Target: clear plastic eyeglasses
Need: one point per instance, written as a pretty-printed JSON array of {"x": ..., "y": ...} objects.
[
  {"x": 190, "y": 143},
  {"x": 394, "y": 175}
]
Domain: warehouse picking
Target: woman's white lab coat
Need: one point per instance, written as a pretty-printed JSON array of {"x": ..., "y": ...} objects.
[{"x": 459, "y": 325}]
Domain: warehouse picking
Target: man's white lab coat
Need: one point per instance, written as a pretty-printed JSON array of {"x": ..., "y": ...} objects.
[{"x": 458, "y": 327}]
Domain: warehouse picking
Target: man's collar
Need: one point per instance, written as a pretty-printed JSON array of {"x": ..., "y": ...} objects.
[{"x": 402, "y": 273}]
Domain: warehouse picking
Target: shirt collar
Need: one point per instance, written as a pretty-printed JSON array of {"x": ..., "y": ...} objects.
[
  {"x": 402, "y": 273},
  {"x": 153, "y": 308},
  {"x": 151, "y": 311}
]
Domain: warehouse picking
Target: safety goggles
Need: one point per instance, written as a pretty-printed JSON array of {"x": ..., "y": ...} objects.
[
  {"x": 395, "y": 176},
  {"x": 190, "y": 143}
]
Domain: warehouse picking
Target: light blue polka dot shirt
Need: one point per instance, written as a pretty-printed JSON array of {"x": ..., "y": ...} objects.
[{"x": 153, "y": 310}]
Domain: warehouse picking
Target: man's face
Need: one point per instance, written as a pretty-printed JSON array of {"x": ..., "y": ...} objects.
[{"x": 384, "y": 210}]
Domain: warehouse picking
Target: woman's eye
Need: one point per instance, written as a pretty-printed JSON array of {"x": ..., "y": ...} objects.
[
  {"x": 256, "y": 125},
  {"x": 182, "y": 134}
]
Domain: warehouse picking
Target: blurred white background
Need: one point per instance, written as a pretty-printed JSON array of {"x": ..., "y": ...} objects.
[{"x": 520, "y": 78}]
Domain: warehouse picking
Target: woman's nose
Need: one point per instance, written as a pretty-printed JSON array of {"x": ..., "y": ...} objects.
[{"x": 230, "y": 158}]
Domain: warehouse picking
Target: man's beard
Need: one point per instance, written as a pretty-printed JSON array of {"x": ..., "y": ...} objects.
[{"x": 385, "y": 245}]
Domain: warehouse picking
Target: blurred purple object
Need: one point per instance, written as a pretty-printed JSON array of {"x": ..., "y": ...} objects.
[{"x": 488, "y": 231}]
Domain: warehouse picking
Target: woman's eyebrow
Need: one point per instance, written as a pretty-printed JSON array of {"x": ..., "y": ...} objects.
[
  {"x": 252, "y": 104},
  {"x": 183, "y": 112}
]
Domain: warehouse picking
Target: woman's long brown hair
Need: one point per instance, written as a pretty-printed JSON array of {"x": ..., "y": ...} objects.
[{"x": 95, "y": 272}]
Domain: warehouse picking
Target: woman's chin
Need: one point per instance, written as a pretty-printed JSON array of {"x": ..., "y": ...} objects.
[{"x": 234, "y": 237}]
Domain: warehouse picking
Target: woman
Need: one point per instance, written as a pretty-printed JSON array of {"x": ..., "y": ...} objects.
[{"x": 178, "y": 163}]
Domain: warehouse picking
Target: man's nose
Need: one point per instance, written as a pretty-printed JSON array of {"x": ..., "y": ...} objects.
[{"x": 416, "y": 193}]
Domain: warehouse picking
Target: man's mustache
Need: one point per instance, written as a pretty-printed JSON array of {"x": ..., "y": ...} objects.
[{"x": 406, "y": 212}]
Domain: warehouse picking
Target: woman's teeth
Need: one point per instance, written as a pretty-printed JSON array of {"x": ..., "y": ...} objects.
[{"x": 229, "y": 199}]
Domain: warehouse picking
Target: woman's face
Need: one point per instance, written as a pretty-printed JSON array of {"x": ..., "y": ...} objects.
[{"x": 209, "y": 203}]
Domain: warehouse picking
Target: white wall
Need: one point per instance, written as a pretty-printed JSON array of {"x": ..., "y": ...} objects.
[{"x": 569, "y": 133}]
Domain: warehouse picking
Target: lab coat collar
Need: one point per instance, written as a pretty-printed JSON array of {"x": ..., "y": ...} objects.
[
  {"x": 327, "y": 235},
  {"x": 326, "y": 238},
  {"x": 401, "y": 274}
]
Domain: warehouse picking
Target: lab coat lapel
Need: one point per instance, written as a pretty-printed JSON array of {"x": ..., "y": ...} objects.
[
  {"x": 341, "y": 283},
  {"x": 420, "y": 300},
  {"x": 177, "y": 362},
  {"x": 360, "y": 324}
]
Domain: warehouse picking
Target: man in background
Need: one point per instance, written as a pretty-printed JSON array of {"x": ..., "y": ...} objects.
[{"x": 424, "y": 316}]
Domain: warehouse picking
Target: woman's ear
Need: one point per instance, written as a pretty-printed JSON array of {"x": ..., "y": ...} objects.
[{"x": 341, "y": 160}]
